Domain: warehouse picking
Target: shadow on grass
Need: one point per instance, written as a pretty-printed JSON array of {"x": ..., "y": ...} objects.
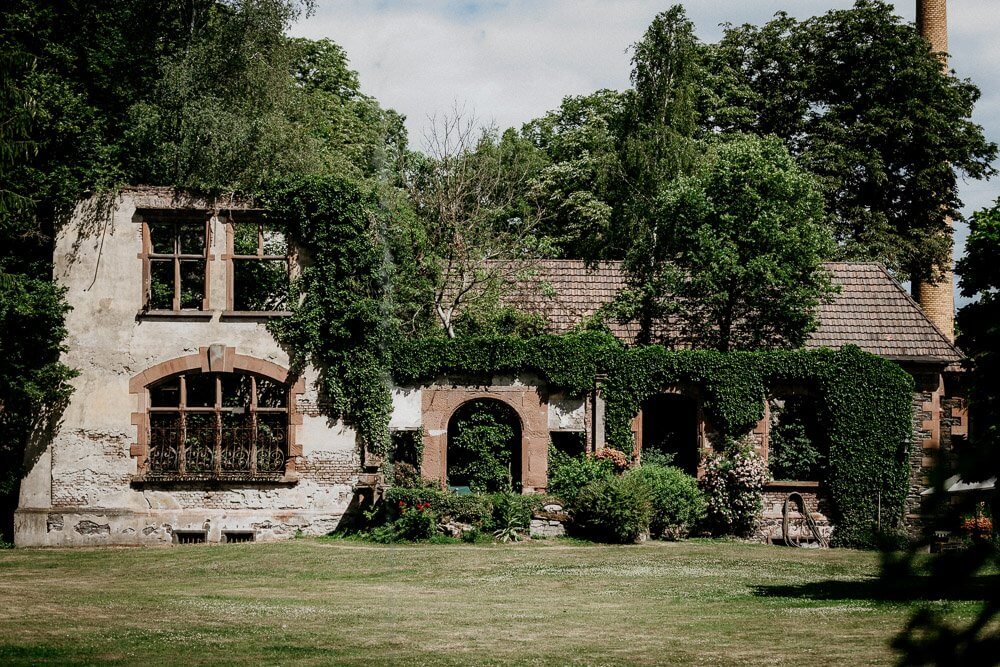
[{"x": 899, "y": 589}]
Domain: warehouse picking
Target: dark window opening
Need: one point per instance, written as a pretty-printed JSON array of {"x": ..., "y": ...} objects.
[
  {"x": 670, "y": 431},
  {"x": 260, "y": 267},
  {"x": 569, "y": 443},
  {"x": 484, "y": 447},
  {"x": 237, "y": 536},
  {"x": 407, "y": 454},
  {"x": 798, "y": 447},
  {"x": 176, "y": 265},
  {"x": 217, "y": 425},
  {"x": 190, "y": 537}
]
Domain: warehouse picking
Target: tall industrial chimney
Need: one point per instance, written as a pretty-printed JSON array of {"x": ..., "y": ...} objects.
[{"x": 937, "y": 298}]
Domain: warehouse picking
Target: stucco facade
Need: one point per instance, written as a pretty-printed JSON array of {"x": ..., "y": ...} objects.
[{"x": 86, "y": 486}]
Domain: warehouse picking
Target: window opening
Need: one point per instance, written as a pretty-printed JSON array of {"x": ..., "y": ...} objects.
[
  {"x": 176, "y": 265},
  {"x": 212, "y": 425},
  {"x": 260, "y": 267}
]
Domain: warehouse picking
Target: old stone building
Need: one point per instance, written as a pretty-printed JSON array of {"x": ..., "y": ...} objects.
[{"x": 187, "y": 424}]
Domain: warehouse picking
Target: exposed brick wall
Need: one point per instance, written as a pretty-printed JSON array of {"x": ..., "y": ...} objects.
[
  {"x": 937, "y": 298},
  {"x": 932, "y": 22}
]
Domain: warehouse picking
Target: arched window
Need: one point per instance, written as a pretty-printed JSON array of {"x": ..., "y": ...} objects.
[{"x": 217, "y": 426}]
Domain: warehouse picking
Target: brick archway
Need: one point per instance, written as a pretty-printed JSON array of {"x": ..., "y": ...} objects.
[
  {"x": 214, "y": 359},
  {"x": 440, "y": 403}
]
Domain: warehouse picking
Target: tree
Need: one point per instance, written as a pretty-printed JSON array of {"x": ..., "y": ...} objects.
[
  {"x": 979, "y": 324},
  {"x": 579, "y": 184},
  {"x": 733, "y": 254},
  {"x": 860, "y": 100},
  {"x": 932, "y": 637},
  {"x": 479, "y": 233},
  {"x": 668, "y": 78}
]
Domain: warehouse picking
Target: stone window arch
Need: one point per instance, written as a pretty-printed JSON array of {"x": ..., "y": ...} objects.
[
  {"x": 440, "y": 402},
  {"x": 216, "y": 415}
]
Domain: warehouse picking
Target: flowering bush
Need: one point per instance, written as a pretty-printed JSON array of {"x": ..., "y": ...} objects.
[
  {"x": 414, "y": 522},
  {"x": 734, "y": 483},
  {"x": 978, "y": 526},
  {"x": 618, "y": 458}
]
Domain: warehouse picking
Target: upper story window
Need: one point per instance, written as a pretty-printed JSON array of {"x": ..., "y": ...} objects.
[
  {"x": 259, "y": 261},
  {"x": 217, "y": 426},
  {"x": 175, "y": 263}
]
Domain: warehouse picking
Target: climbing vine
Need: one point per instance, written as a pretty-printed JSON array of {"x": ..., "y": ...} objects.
[
  {"x": 864, "y": 400},
  {"x": 341, "y": 320}
]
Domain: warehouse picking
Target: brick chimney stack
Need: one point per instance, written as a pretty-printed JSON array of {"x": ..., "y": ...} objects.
[{"x": 937, "y": 298}]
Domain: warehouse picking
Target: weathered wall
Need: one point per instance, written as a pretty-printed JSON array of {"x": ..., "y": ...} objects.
[{"x": 79, "y": 489}]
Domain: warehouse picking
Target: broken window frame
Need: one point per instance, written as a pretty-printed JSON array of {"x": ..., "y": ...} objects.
[
  {"x": 168, "y": 446},
  {"x": 232, "y": 259},
  {"x": 177, "y": 258}
]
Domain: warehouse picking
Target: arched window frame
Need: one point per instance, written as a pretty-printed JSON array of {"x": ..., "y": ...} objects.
[{"x": 213, "y": 359}]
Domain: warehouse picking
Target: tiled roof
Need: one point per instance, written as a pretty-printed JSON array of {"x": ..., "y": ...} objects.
[{"x": 871, "y": 311}]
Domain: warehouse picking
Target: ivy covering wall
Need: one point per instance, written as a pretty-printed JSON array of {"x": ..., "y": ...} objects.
[
  {"x": 342, "y": 324},
  {"x": 865, "y": 401}
]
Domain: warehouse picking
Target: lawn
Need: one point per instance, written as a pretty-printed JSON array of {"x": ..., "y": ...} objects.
[{"x": 319, "y": 601}]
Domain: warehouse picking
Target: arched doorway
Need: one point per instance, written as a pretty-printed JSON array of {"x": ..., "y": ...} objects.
[
  {"x": 670, "y": 427},
  {"x": 484, "y": 447}
]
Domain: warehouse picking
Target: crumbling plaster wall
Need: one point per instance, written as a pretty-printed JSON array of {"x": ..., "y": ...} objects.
[{"x": 78, "y": 489}]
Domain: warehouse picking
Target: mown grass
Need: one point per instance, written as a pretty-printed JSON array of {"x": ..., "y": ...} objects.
[{"x": 325, "y": 601}]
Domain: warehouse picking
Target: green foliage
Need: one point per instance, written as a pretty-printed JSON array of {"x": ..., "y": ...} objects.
[
  {"x": 931, "y": 633},
  {"x": 614, "y": 509},
  {"x": 733, "y": 484},
  {"x": 733, "y": 253},
  {"x": 511, "y": 517},
  {"x": 482, "y": 446},
  {"x": 569, "y": 474},
  {"x": 860, "y": 101},
  {"x": 569, "y": 362},
  {"x": 342, "y": 321},
  {"x": 505, "y": 516},
  {"x": 678, "y": 504},
  {"x": 668, "y": 76},
  {"x": 979, "y": 323},
  {"x": 795, "y": 448},
  {"x": 579, "y": 186},
  {"x": 864, "y": 400}
]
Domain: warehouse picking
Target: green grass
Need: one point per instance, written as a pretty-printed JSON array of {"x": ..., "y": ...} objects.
[{"x": 554, "y": 602}]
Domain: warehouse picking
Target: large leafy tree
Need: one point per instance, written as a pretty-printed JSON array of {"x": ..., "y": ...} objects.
[
  {"x": 860, "y": 101},
  {"x": 979, "y": 324},
  {"x": 732, "y": 255},
  {"x": 578, "y": 185}
]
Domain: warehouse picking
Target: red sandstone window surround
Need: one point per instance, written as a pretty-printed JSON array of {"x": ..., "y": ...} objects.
[
  {"x": 216, "y": 425},
  {"x": 216, "y": 416},
  {"x": 175, "y": 261},
  {"x": 259, "y": 264}
]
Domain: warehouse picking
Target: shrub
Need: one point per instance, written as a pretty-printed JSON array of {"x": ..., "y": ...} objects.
[
  {"x": 656, "y": 457},
  {"x": 734, "y": 482},
  {"x": 511, "y": 517},
  {"x": 678, "y": 504},
  {"x": 412, "y": 523},
  {"x": 569, "y": 474},
  {"x": 613, "y": 509}
]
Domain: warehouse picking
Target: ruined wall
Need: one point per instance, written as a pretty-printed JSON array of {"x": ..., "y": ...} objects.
[{"x": 80, "y": 488}]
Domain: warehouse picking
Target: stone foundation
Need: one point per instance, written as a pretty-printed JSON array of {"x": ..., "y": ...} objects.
[{"x": 103, "y": 527}]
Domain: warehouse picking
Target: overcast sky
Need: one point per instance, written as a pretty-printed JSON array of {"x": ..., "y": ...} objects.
[{"x": 509, "y": 61}]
